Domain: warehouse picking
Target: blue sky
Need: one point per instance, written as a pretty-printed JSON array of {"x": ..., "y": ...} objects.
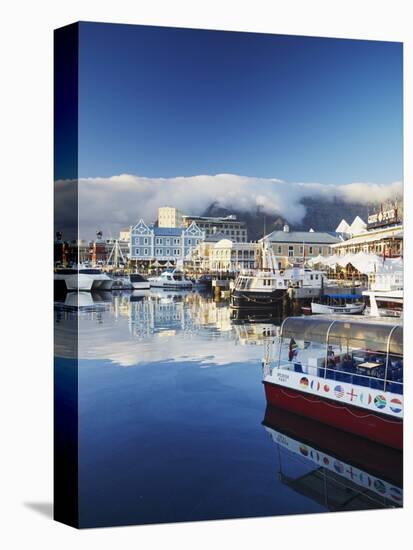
[{"x": 162, "y": 102}]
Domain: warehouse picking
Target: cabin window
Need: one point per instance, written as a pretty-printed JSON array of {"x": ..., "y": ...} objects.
[{"x": 311, "y": 277}]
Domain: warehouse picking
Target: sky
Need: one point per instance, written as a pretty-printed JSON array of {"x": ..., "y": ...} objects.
[{"x": 164, "y": 102}]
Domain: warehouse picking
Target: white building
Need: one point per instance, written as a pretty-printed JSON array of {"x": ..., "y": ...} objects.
[{"x": 227, "y": 255}]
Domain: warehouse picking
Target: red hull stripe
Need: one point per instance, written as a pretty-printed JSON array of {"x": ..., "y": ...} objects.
[{"x": 365, "y": 423}]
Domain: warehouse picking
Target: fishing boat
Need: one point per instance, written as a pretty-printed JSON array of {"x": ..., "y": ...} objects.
[
  {"x": 257, "y": 290},
  {"x": 82, "y": 278},
  {"x": 348, "y": 374},
  {"x": 342, "y": 304},
  {"x": 171, "y": 280},
  {"x": 139, "y": 282}
]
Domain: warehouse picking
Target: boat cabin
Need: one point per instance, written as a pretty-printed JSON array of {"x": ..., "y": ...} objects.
[{"x": 355, "y": 352}]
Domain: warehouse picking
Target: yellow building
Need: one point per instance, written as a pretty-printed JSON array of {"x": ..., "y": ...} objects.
[{"x": 169, "y": 216}]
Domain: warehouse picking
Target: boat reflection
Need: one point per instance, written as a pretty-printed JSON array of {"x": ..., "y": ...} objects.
[{"x": 337, "y": 470}]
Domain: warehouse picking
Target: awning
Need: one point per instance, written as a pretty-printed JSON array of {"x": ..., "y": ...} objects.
[{"x": 379, "y": 337}]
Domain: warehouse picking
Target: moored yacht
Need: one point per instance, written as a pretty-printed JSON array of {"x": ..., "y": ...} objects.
[
  {"x": 171, "y": 280},
  {"x": 83, "y": 278},
  {"x": 385, "y": 295},
  {"x": 258, "y": 290},
  {"x": 139, "y": 282}
]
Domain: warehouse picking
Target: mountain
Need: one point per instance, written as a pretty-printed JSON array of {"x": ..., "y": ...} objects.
[{"x": 321, "y": 215}]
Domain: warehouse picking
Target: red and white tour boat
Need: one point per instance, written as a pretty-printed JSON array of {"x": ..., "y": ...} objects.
[{"x": 346, "y": 373}]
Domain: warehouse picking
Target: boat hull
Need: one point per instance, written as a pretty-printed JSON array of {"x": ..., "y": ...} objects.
[
  {"x": 342, "y": 310},
  {"x": 171, "y": 286},
  {"x": 365, "y": 423},
  {"x": 144, "y": 285},
  {"x": 241, "y": 299}
]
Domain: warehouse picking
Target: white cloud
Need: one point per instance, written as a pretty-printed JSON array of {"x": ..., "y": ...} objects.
[{"x": 117, "y": 201}]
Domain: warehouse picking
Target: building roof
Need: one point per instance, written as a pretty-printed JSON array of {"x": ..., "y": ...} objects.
[
  {"x": 168, "y": 231},
  {"x": 343, "y": 227},
  {"x": 218, "y": 219},
  {"x": 395, "y": 232},
  {"x": 300, "y": 237},
  {"x": 357, "y": 225}
]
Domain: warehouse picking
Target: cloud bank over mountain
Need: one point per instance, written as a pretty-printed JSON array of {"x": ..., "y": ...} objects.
[{"x": 114, "y": 202}]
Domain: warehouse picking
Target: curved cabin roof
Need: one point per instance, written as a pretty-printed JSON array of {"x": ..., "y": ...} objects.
[{"x": 379, "y": 337}]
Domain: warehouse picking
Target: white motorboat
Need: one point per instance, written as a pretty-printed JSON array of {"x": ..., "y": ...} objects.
[
  {"x": 139, "y": 282},
  {"x": 171, "y": 280},
  {"x": 83, "y": 278},
  {"x": 342, "y": 304},
  {"x": 385, "y": 295}
]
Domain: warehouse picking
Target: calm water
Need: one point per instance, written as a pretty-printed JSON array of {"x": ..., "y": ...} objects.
[{"x": 171, "y": 420}]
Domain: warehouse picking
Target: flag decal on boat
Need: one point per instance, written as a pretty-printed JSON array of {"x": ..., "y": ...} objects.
[
  {"x": 339, "y": 391},
  {"x": 304, "y": 382},
  {"x": 380, "y": 401},
  {"x": 396, "y": 405}
]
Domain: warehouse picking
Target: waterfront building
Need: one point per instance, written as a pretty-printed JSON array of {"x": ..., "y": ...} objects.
[
  {"x": 98, "y": 250},
  {"x": 164, "y": 244},
  {"x": 382, "y": 235},
  {"x": 229, "y": 226},
  {"x": 291, "y": 247},
  {"x": 124, "y": 234},
  {"x": 203, "y": 251},
  {"x": 169, "y": 216},
  {"x": 226, "y": 255}
]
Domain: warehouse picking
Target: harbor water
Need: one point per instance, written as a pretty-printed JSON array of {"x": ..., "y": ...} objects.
[{"x": 173, "y": 424}]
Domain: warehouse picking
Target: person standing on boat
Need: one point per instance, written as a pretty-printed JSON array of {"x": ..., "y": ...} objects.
[{"x": 292, "y": 349}]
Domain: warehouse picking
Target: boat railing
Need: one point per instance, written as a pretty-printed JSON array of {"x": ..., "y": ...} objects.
[{"x": 381, "y": 377}]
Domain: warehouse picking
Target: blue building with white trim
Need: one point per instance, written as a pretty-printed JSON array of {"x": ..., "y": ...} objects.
[{"x": 163, "y": 243}]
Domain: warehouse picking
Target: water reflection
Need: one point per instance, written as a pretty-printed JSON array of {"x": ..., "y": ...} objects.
[
  {"x": 156, "y": 326},
  {"x": 170, "y": 408},
  {"x": 334, "y": 468}
]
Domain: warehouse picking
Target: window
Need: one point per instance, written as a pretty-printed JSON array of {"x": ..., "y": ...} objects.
[
  {"x": 189, "y": 241},
  {"x": 137, "y": 252},
  {"x": 279, "y": 250},
  {"x": 290, "y": 251},
  {"x": 158, "y": 240},
  {"x": 301, "y": 250},
  {"x": 145, "y": 252},
  {"x": 310, "y": 250},
  {"x": 167, "y": 241},
  {"x": 145, "y": 240},
  {"x": 168, "y": 252}
]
